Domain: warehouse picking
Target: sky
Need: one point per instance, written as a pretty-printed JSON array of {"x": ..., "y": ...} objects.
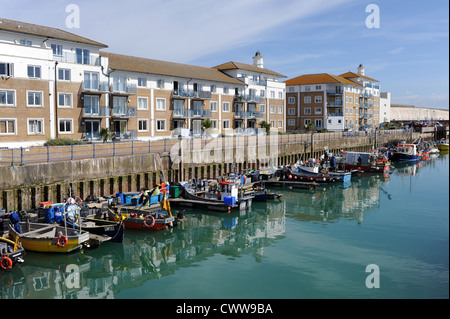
[{"x": 408, "y": 51}]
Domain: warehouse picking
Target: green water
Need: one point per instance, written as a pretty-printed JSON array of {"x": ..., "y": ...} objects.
[{"x": 308, "y": 244}]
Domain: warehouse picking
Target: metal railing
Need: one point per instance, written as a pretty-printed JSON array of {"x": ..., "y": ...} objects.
[{"x": 125, "y": 143}]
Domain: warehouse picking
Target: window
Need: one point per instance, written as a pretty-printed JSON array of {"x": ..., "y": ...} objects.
[
  {"x": 317, "y": 110},
  {"x": 318, "y": 87},
  {"x": 65, "y": 126},
  {"x": 64, "y": 74},
  {"x": 26, "y": 42},
  {"x": 225, "y": 90},
  {"x": 307, "y": 110},
  {"x": 272, "y": 94},
  {"x": 291, "y": 100},
  {"x": 262, "y": 108},
  {"x": 226, "y": 107},
  {"x": 317, "y": 123},
  {"x": 280, "y": 109},
  {"x": 6, "y": 69},
  {"x": 65, "y": 100},
  {"x": 280, "y": 124},
  {"x": 291, "y": 89},
  {"x": 307, "y": 99},
  {"x": 7, "y": 98},
  {"x": 91, "y": 104},
  {"x": 280, "y": 95},
  {"x": 34, "y": 71},
  {"x": 91, "y": 81},
  {"x": 142, "y": 82},
  {"x": 143, "y": 125},
  {"x": 7, "y": 126},
  {"x": 272, "y": 109},
  {"x": 213, "y": 106},
  {"x": 213, "y": 88},
  {"x": 307, "y": 88},
  {"x": 272, "y": 123},
  {"x": 57, "y": 49},
  {"x": 291, "y": 122},
  {"x": 262, "y": 93},
  {"x": 226, "y": 124},
  {"x": 142, "y": 103},
  {"x": 291, "y": 111},
  {"x": 306, "y": 122},
  {"x": 34, "y": 99},
  {"x": 35, "y": 126},
  {"x": 160, "y": 125},
  {"x": 214, "y": 124},
  {"x": 318, "y": 99},
  {"x": 82, "y": 56}
]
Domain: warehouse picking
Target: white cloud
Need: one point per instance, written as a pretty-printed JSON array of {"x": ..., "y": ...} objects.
[{"x": 433, "y": 100}]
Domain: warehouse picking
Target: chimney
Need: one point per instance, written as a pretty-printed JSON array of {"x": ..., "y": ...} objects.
[
  {"x": 361, "y": 69},
  {"x": 258, "y": 60}
]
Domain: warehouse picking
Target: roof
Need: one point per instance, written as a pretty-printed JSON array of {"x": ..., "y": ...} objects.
[
  {"x": 350, "y": 74},
  {"x": 38, "y": 30},
  {"x": 244, "y": 66},
  {"x": 145, "y": 65},
  {"x": 319, "y": 78}
]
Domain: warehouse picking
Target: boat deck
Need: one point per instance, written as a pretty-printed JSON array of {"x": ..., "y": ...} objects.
[
  {"x": 219, "y": 206},
  {"x": 293, "y": 184}
]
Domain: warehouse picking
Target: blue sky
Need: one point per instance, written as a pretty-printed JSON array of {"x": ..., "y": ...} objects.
[{"x": 408, "y": 53}]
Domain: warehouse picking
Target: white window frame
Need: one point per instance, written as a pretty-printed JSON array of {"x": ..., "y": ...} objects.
[
  {"x": 227, "y": 108},
  {"x": 59, "y": 100},
  {"x": 211, "y": 106},
  {"x": 280, "y": 123},
  {"x": 307, "y": 99},
  {"x": 71, "y": 126},
  {"x": 64, "y": 78},
  {"x": 144, "y": 79},
  {"x": 291, "y": 111},
  {"x": 228, "y": 124},
  {"x": 318, "y": 110},
  {"x": 15, "y": 126},
  {"x": 35, "y": 105},
  {"x": 157, "y": 106},
  {"x": 37, "y": 120},
  {"x": 6, "y": 94},
  {"x": 272, "y": 109},
  {"x": 214, "y": 124},
  {"x": 280, "y": 109},
  {"x": 316, "y": 121},
  {"x": 306, "y": 121},
  {"x": 262, "y": 108},
  {"x": 147, "y": 126},
  {"x": 318, "y": 99},
  {"x": 291, "y": 122},
  {"x": 307, "y": 111},
  {"x": 9, "y": 69},
  {"x": 34, "y": 71},
  {"x": 291, "y": 100},
  {"x": 139, "y": 106},
  {"x": 165, "y": 126}
]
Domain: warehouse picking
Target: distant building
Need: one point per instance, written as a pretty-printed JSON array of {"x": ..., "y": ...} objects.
[
  {"x": 385, "y": 107},
  {"x": 406, "y": 113}
]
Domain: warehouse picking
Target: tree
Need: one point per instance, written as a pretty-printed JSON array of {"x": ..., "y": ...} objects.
[
  {"x": 105, "y": 134},
  {"x": 309, "y": 126},
  {"x": 206, "y": 124},
  {"x": 265, "y": 125}
]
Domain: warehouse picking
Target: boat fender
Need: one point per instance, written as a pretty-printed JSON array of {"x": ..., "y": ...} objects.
[
  {"x": 145, "y": 221},
  {"x": 6, "y": 263},
  {"x": 78, "y": 201},
  {"x": 62, "y": 241}
]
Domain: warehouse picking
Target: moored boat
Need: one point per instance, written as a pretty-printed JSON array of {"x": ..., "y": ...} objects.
[
  {"x": 442, "y": 145},
  {"x": 372, "y": 161},
  {"x": 407, "y": 152},
  {"x": 11, "y": 253}
]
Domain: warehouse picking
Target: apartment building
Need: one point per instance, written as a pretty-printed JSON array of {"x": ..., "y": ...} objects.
[
  {"x": 54, "y": 83},
  {"x": 333, "y": 102},
  {"x": 262, "y": 99}
]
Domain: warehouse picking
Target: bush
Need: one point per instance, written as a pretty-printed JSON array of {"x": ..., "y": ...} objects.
[{"x": 62, "y": 141}]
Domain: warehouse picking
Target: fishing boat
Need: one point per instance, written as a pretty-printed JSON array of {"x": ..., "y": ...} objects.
[
  {"x": 289, "y": 174},
  {"x": 99, "y": 229},
  {"x": 11, "y": 253},
  {"x": 144, "y": 217},
  {"x": 314, "y": 167},
  {"x": 407, "y": 152},
  {"x": 49, "y": 238},
  {"x": 371, "y": 161},
  {"x": 442, "y": 145}
]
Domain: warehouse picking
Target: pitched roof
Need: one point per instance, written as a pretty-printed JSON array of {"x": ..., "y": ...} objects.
[
  {"x": 244, "y": 66},
  {"x": 350, "y": 74},
  {"x": 319, "y": 78},
  {"x": 34, "y": 29},
  {"x": 145, "y": 65}
]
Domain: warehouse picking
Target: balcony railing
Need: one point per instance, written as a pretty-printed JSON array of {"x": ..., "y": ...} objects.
[
  {"x": 192, "y": 94},
  {"x": 201, "y": 113},
  {"x": 249, "y": 98},
  {"x": 335, "y": 92},
  {"x": 121, "y": 88},
  {"x": 335, "y": 114},
  {"x": 124, "y": 112},
  {"x": 95, "y": 86},
  {"x": 248, "y": 115},
  {"x": 181, "y": 113},
  {"x": 125, "y": 135},
  {"x": 70, "y": 57},
  {"x": 334, "y": 103},
  {"x": 96, "y": 111}
]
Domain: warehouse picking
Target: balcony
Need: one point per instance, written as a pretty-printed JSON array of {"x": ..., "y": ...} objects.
[
  {"x": 181, "y": 113},
  {"x": 334, "y": 103},
  {"x": 123, "y": 112},
  {"x": 70, "y": 57},
  {"x": 201, "y": 113},
  {"x": 124, "y": 89},
  {"x": 95, "y": 111},
  {"x": 248, "y": 115},
  {"x": 248, "y": 98},
  {"x": 335, "y": 92},
  {"x": 125, "y": 135},
  {"x": 179, "y": 93},
  {"x": 335, "y": 114},
  {"x": 94, "y": 87}
]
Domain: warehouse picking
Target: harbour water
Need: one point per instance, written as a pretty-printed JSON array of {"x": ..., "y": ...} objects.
[{"x": 307, "y": 244}]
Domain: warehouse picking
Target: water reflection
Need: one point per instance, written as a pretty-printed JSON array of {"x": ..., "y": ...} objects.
[{"x": 105, "y": 271}]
